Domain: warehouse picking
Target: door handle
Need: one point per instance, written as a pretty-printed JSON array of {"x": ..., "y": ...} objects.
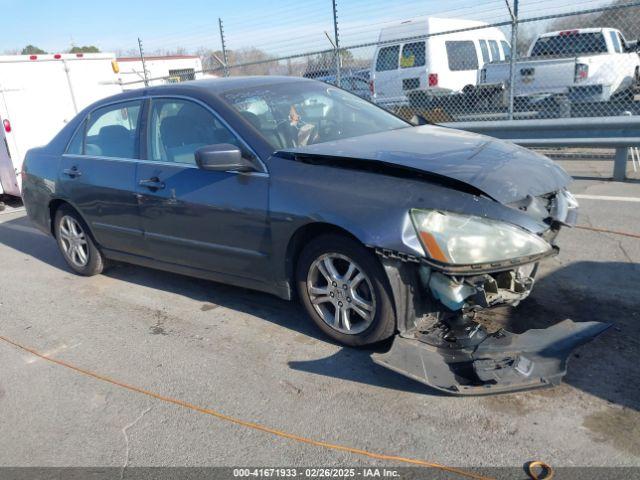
[
  {"x": 72, "y": 172},
  {"x": 153, "y": 183}
]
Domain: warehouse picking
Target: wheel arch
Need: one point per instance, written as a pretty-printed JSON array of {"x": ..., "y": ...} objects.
[
  {"x": 302, "y": 236},
  {"x": 55, "y": 205}
]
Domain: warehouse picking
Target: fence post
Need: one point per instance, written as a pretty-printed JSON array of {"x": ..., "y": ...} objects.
[
  {"x": 224, "y": 48},
  {"x": 514, "y": 53},
  {"x": 620, "y": 164},
  {"x": 337, "y": 44},
  {"x": 144, "y": 65}
]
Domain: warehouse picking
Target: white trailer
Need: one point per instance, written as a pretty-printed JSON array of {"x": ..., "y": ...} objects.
[
  {"x": 159, "y": 70},
  {"x": 38, "y": 95}
]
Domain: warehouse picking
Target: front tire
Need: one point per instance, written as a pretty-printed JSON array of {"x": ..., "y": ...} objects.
[
  {"x": 345, "y": 290},
  {"x": 76, "y": 244}
]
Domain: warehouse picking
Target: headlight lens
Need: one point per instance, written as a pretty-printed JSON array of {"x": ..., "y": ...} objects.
[{"x": 466, "y": 240}]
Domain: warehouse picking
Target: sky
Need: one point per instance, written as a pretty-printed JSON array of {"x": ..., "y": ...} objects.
[{"x": 281, "y": 27}]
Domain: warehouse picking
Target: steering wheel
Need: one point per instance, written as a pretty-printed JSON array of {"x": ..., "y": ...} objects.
[{"x": 330, "y": 130}]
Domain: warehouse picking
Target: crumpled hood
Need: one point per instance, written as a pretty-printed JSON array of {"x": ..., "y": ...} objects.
[{"x": 502, "y": 170}]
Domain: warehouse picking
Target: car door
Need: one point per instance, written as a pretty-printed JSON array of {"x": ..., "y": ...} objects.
[
  {"x": 208, "y": 220},
  {"x": 98, "y": 172}
]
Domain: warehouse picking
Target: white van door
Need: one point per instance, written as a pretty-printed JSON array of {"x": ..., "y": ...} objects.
[
  {"x": 462, "y": 63},
  {"x": 8, "y": 178},
  {"x": 386, "y": 86},
  {"x": 90, "y": 78}
]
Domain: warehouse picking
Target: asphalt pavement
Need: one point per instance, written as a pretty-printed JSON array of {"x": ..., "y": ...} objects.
[{"x": 257, "y": 358}]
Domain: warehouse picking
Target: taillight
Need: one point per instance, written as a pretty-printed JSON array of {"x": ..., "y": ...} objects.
[
  {"x": 57, "y": 56},
  {"x": 433, "y": 79},
  {"x": 33, "y": 57},
  {"x": 7, "y": 125},
  {"x": 581, "y": 72},
  {"x": 483, "y": 75},
  {"x": 79, "y": 55},
  {"x": 372, "y": 88}
]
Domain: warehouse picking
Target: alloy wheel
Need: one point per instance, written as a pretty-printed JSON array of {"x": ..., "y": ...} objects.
[
  {"x": 341, "y": 293},
  {"x": 74, "y": 241}
]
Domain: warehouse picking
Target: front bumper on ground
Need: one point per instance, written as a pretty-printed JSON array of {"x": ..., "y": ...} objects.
[
  {"x": 502, "y": 362},
  {"x": 445, "y": 342}
]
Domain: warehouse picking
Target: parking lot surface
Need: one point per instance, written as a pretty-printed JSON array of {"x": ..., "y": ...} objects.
[{"x": 255, "y": 357}]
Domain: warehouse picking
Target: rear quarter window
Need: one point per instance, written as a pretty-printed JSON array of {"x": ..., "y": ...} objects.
[
  {"x": 76, "y": 145},
  {"x": 461, "y": 55},
  {"x": 388, "y": 58}
]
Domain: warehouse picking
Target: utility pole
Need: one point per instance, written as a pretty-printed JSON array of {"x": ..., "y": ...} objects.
[
  {"x": 514, "y": 52},
  {"x": 336, "y": 43},
  {"x": 144, "y": 65},
  {"x": 224, "y": 48}
]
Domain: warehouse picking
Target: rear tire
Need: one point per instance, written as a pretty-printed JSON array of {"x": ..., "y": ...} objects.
[
  {"x": 345, "y": 291},
  {"x": 76, "y": 243}
]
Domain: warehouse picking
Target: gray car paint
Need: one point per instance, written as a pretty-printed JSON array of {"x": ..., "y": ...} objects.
[
  {"x": 503, "y": 171},
  {"x": 244, "y": 237}
]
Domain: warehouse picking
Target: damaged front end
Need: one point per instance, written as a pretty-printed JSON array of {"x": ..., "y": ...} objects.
[{"x": 445, "y": 340}]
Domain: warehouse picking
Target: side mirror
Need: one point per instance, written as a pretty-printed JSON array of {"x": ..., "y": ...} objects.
[
  {"x": 418, "y": 120},
  {"x": 222, "y": 157},
  {"x": 633, "y": 46}
]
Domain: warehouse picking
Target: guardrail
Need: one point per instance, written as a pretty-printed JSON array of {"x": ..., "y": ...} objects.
[{"x": 620, "y": 133}]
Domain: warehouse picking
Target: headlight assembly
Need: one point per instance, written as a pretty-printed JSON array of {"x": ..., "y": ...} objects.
[{"x": 456, "y": 239}]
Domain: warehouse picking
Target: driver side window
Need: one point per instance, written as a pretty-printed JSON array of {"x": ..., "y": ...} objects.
[{"x": 177, "y": 128}]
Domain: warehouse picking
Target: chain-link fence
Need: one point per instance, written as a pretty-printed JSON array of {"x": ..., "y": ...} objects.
[{"x": 502, "y": 59}]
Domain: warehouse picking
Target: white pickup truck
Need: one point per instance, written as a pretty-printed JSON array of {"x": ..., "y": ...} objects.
[{"x": 586, "y": 65}]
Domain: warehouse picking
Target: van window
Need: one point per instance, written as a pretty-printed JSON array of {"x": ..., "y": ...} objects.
[
  {"x": 112, "y": 131},
  {"x": 506, "y": 48},
  {"x": 616, "y": 42},
  {"x": 412, "y": 55},
  {"x": 387, "y": 58},
  {"x": 495, "y": 50},
  {"x": 462, "y": 55},
  {"x": 484, "y": 49}
]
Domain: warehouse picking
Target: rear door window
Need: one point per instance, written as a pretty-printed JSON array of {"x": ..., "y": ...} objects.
[
  {"x": 113, "y": 131},
  {"x": 413, "y": 55},
  {"x": 462, "y": 55},
  {"x": 495, "y": 50},
  {"x": 484, "y": 50},
  {"x": 388, "y": 58}
]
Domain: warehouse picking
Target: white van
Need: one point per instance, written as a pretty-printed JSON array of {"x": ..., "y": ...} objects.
[
  {"x": 39, "y": 94},
  {"x": 438, "y": 63}
]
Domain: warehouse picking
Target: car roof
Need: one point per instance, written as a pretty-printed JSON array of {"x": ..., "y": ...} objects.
[{"x": 209, "y": 86}]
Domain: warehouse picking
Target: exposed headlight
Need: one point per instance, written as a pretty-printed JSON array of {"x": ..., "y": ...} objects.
[{"x": 457, "y": 239}]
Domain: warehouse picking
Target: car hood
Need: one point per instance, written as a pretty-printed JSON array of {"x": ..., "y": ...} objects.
[{"x": 501, "y": 170}]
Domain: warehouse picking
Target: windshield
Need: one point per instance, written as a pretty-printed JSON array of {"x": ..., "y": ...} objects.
[
  {"x": 569, "y": 44},
  {"x": 304, "y": 113}
]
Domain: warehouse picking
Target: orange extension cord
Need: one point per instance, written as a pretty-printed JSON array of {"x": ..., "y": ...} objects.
[{"x": 604, "y": 230}]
